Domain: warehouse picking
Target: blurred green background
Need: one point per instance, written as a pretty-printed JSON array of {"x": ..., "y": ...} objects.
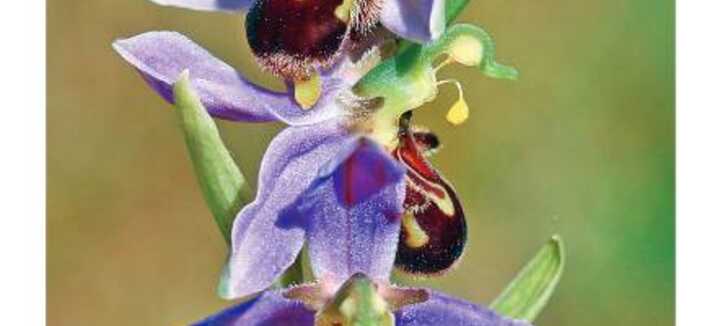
[{"x": 581, "y": 145}]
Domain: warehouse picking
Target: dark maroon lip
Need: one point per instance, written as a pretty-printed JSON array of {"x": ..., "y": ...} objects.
[
  {"x": 445, "y": 230},
  {"x": 291, "y": 38},
  {"x": 288, "y": 35}
]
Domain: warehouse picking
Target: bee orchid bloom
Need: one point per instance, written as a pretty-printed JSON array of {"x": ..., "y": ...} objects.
[
  {"x": 293, "y": 39},
  {"x": 337, "y": 177},
  {"x": 358, "y": 302}
]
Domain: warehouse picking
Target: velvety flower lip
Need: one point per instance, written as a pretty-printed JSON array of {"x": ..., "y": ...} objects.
[
  {"x": 439, "y": 309},
  {"x": 161, "y": 56},
  {"x": 417, "y": 20}
]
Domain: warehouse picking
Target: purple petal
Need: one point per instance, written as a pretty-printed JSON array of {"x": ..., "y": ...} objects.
[
  {"x": 416, "y": 20},
  {"x": 442, "y": 309},
  {"x": 264, "y": 241},
  {"x": 270, "y": 308},
  {"x": 214, "y": 5},
  {"x": 353, "y": 213},
  {"x": 160, "y": 57}
]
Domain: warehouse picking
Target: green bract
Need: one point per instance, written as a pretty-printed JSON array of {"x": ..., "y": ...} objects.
[
  {"x": 221, "y": 182},
  {"x": 527, "y": 294}
]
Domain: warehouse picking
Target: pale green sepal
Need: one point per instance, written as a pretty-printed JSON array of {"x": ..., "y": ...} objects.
[
  {"x": 527, "y": 294},
  {"x": 221, "y": 182}
]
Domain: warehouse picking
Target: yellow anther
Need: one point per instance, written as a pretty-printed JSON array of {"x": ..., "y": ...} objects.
[
  {"x": 342, "y": 12},
  {"x": 459, "y": 111},
  {"x": 466, "y": 50},
  {"x": 307, "y": 92}
]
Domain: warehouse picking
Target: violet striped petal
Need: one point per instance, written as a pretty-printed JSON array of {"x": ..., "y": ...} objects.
[{"x": 160, "y": 57}]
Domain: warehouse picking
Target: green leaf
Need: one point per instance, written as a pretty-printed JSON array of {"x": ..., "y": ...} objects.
[
  {"x": 526, "y": 296},
  {"x": 221, "y": 182}
]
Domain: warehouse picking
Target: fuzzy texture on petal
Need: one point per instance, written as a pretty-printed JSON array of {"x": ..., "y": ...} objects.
[
  {"x": 442, "y": 309},
  {"x": 416, "y": 20},
  {"x": 264, "y": 241},
  {"x": 353, "y": 211},
  {"x": 160, "y": 57},
  {"x": 270, "y": 308},
  {"x": 210, "y": 5}
]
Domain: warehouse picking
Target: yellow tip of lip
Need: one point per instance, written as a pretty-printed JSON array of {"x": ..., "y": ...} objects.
[
  {"x": 307, "y": 92},
  {"x": 458, "y": 113}
]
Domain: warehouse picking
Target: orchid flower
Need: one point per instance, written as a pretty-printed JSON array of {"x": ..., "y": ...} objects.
[{"x": 332, "y": 170}]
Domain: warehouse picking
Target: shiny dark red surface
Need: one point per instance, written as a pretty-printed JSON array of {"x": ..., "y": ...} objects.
[{"x": 447, "y": 234}]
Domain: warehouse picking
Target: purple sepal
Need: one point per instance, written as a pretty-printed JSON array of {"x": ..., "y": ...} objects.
[
  {"x": 270, "y": 308},
  {"x": 353, "y": 211},
  {"x": 442, "y": 309},
  {"x": 267, "y": 233}
]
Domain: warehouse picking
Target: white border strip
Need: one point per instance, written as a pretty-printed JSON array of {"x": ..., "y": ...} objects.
[
  {"x": 22, "y": 174},
  {"x": 698, "y": 164}
]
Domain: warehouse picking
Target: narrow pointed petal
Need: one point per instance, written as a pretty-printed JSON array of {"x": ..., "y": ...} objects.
[
  {"x": 267, "y": 235},
  {"x": 270, "y": 308},
  {"x": 160, "y": 57},
  {"x": 417, "y": 20},
  {"x": 442, "y": 309},
  {"x": 354, "y": 212},
  {"x": 210, "y": 5}
]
